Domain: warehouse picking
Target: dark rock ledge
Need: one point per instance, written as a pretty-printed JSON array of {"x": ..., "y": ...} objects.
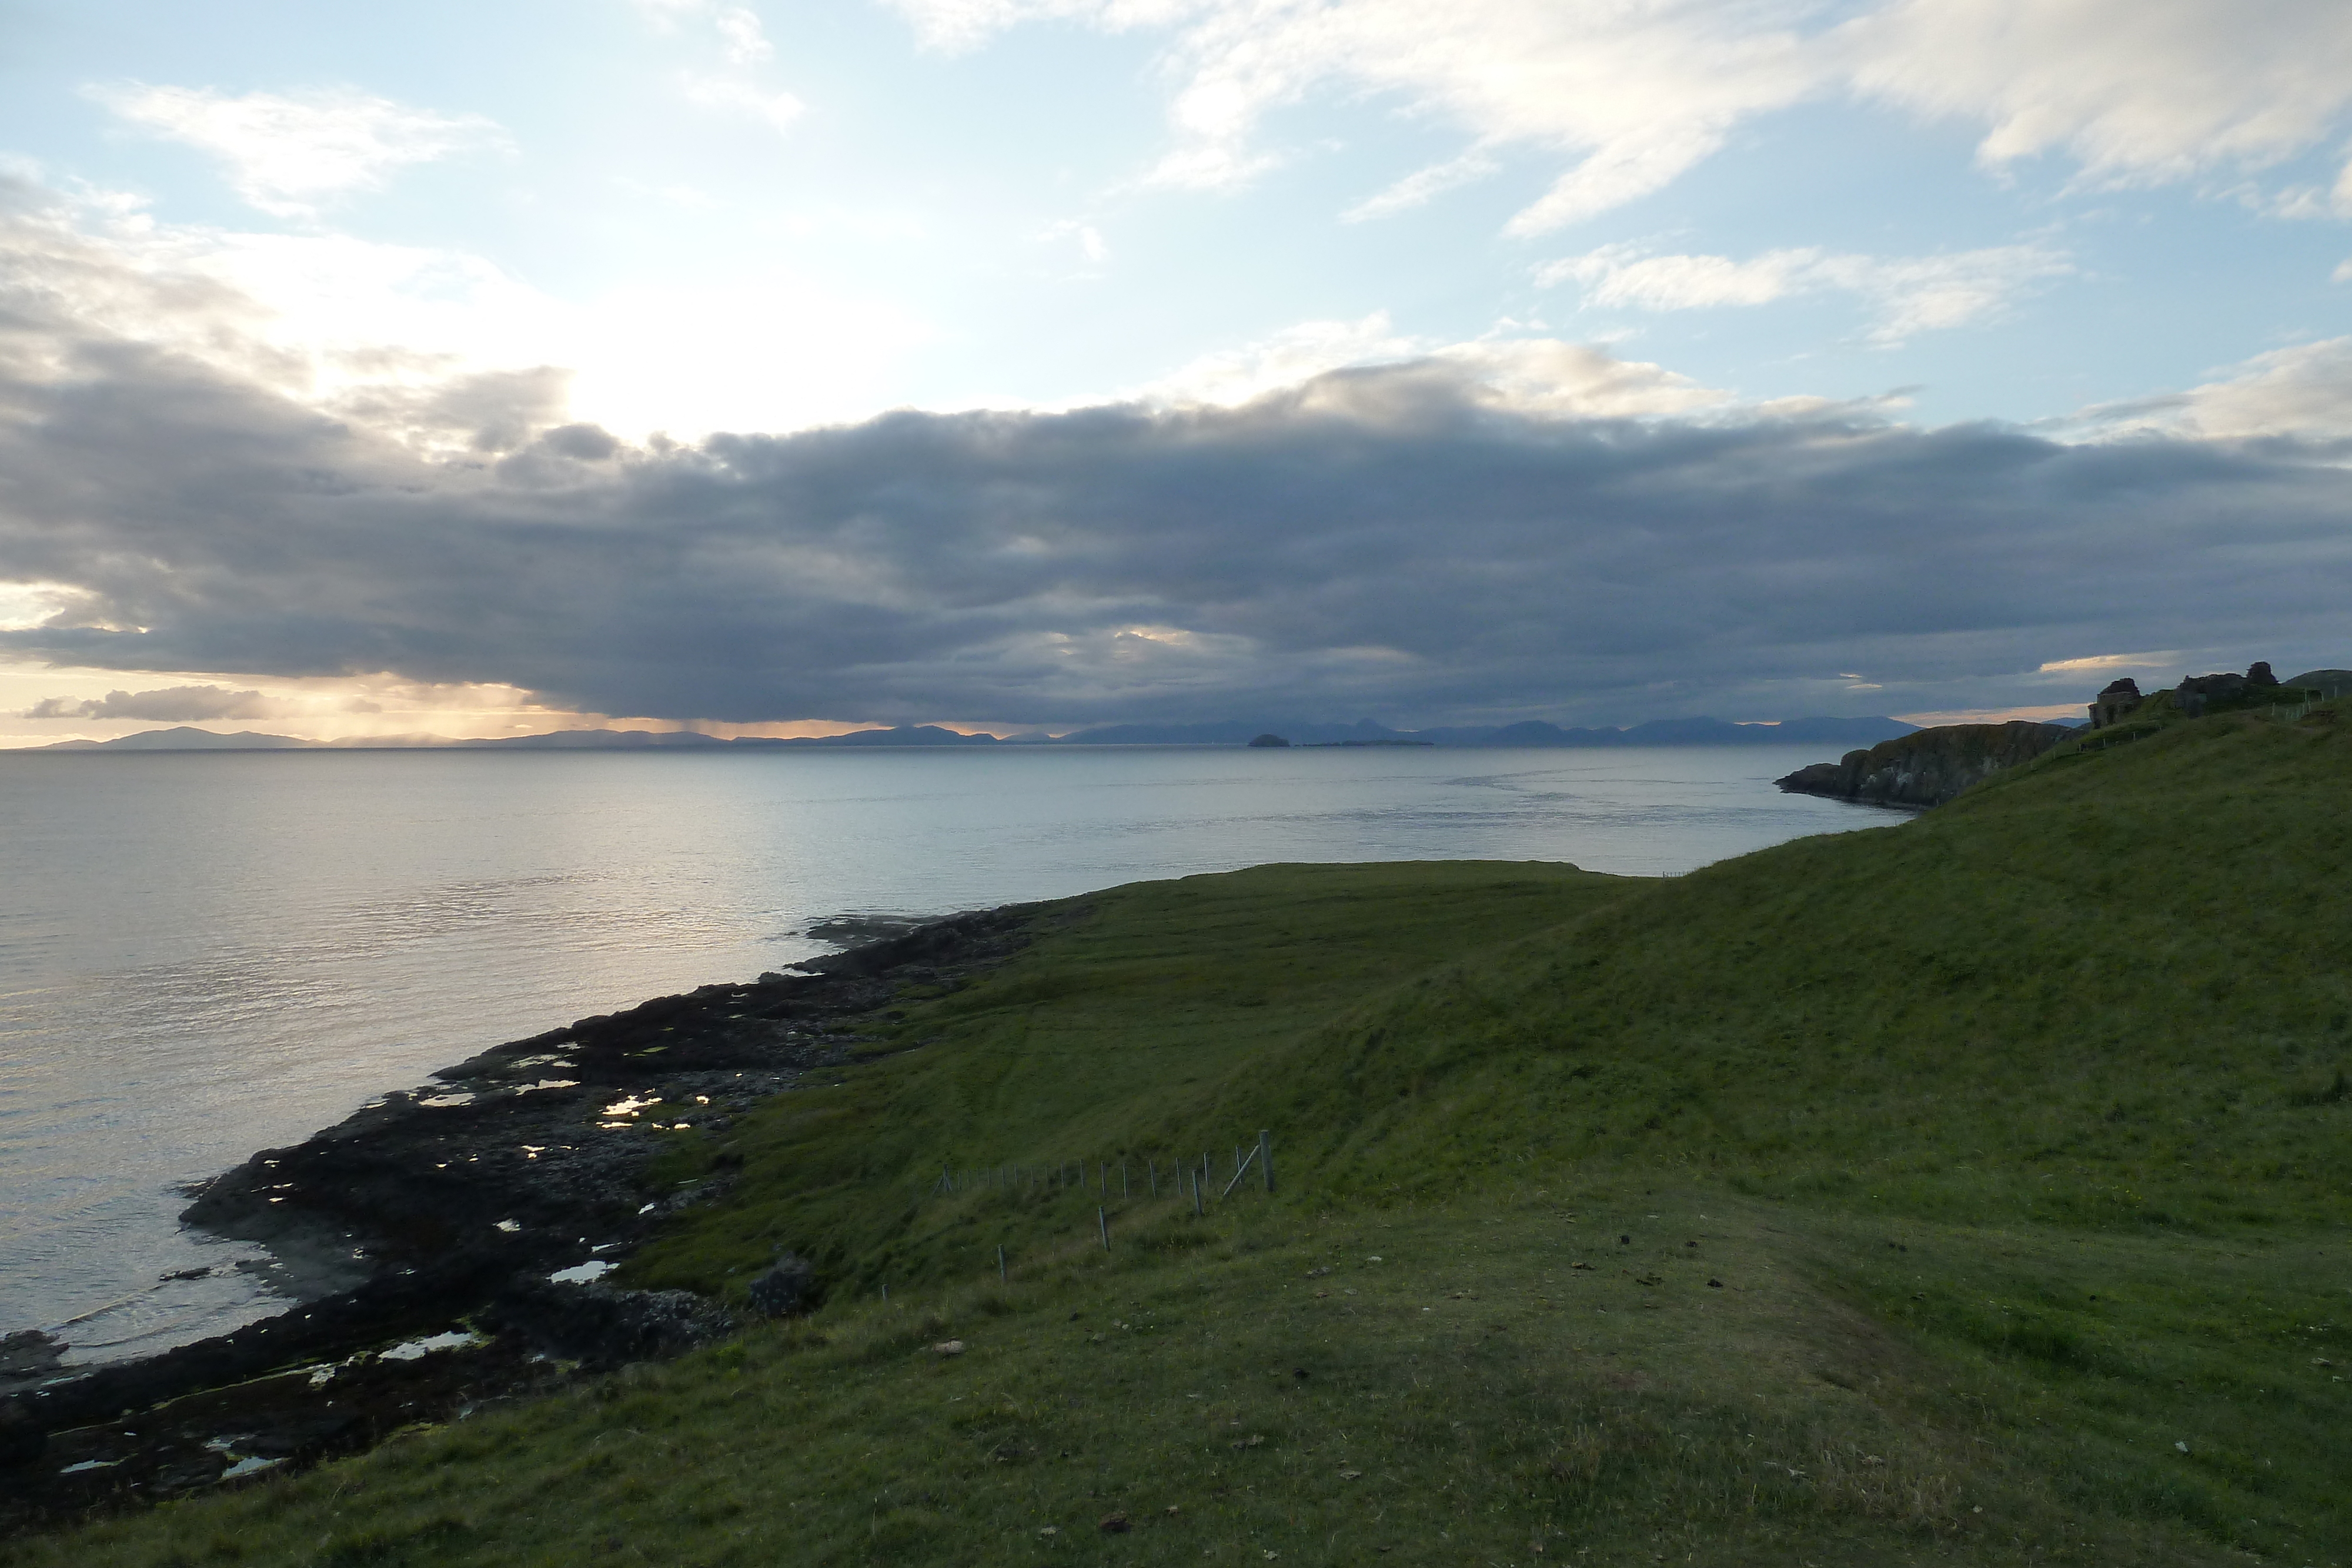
[
  {"x": 442, "y": 1212},
  {"x": 1927, "y": 766}
]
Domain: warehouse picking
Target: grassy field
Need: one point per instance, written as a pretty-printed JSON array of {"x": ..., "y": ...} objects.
[{"x": 1972, "y": 1189}]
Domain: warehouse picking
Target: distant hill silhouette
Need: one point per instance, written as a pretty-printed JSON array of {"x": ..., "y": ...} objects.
[
  {"x": 1848, "y": 732},
  {"x": 1840, "y": 732}
]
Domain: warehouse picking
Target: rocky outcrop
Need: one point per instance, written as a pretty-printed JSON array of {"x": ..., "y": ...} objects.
[{"x": 1927, "y": 766}]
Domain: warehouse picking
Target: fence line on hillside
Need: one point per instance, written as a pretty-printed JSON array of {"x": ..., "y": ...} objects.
[
  {"x": 2123, "y": 732},
  {"x": 1189, "y": 1178},
  {"x": 1122, "y": 1174}
]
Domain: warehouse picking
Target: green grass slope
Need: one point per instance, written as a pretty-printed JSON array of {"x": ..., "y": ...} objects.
[
  {"x": 1967, "y": 1190},
  {"x": 2113, "y": 987}
]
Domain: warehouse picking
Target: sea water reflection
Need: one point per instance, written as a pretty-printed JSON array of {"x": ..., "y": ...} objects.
[{"x": 201, "y": 954}]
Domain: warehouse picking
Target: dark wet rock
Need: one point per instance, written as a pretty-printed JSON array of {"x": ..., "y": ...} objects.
[
  {"x": 392, "y": 1307},
  {"x": 262, "y": 1426},
  {"x": 601, "y": 1327},
  {"x": 855, "y": 928},
  {"x": 30, "y": 1356},
  {"x": 1927, "y": 766},
  {"x": 785, "y": 1288},
  {"x": 448, "y": 1205},
  {"x": 21, "y": 1438}
]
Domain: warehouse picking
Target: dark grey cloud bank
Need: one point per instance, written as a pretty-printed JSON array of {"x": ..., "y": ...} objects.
[{"x": 1394, "y": 542}]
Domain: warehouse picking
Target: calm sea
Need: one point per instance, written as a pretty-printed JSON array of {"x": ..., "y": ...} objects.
[{"x": 201, "y": 954}]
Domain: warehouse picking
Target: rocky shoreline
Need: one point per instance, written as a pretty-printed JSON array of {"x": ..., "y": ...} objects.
[{"x": 444, "y": 1242}]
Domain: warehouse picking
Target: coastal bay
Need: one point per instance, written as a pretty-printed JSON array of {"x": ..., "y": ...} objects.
[{"x": 212, "y": 954}]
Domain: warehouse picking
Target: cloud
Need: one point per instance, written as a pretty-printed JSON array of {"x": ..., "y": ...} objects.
[
  {"x": 2136, "y": 92},
  {"x": 175, "y": 704},
  {"x": 746, "y": 41},
  {"x": 1909, "y": 294},
  {"x": 1626, "y": 97},
  {"x": 1528, "y": 375},
  {"x": 2302, "y": 393},
  {"x": 1631, "y": 97},
  {"x": 1424, "y": 185},
  {"x": 1502, "y": 529},
  {"x": 1083, "y": 238},
  {"x": 2100, "y": 664},
  {"x": 290, "y": 154},
  {"x": 444, "y": 347},
  {"x": 743, "y": 44},
  {"x": 738, "y": 26},
  {"x": 1286, "y": 358},
  {"x": 24, "y": 605},
  {"x": 778, "y": 109}
]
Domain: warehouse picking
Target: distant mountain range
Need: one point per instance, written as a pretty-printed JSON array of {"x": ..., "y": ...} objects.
[
  {"x": 1844, "y": 732},
  {"x": 1840, "y": 732}
]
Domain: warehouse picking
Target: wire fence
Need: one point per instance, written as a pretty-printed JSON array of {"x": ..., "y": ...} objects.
[
  {"x": 1201, "y": 1182},
  {"x": 1129, "y": 1176},
  {"x": 2124, "y": 731}
]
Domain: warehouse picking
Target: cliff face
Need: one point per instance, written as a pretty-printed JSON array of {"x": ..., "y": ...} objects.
[{"x": 1929, "y": 767}]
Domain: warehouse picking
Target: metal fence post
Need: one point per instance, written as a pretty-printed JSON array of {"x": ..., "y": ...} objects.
[{"x": 1266, "y": 1156}]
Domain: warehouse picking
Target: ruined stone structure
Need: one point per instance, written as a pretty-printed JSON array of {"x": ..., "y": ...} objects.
[
  {"x": 2119, "y": 698},
  {"x": 2195, "y": 695}
]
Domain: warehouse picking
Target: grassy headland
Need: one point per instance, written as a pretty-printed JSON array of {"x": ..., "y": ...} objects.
[{"x": 1972, "y": 1189}]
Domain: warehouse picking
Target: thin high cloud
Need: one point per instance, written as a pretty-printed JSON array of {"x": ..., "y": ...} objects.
[
  {"x": 291, "y": 154},
  {"x": 1908, "y": 295},
  {"x": 1481, "y": 531},
  {"x": 1631, "y": 97},
  {"x": 742, "y": 38}
]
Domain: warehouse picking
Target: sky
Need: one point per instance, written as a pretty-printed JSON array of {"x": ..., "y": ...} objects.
[{"x": 1021, "y": 364}]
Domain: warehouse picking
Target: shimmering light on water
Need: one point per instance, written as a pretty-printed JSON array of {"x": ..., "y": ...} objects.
[{"x": 204, "y": 954}]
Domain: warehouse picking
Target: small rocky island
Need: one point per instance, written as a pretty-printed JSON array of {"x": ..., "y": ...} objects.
[{"x": 449, "y": 1240}]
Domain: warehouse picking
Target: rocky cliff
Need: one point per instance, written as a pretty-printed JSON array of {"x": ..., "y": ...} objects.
[{"x": 1927, "y": 766}]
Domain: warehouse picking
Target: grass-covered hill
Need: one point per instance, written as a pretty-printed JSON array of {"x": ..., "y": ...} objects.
[{"x": 1972, "y": 1189}]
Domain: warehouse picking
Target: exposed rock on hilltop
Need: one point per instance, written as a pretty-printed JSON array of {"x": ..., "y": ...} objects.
[{"x": 1929, "y": 767}]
